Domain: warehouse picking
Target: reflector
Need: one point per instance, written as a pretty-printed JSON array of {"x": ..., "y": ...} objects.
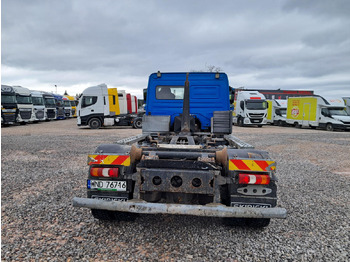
[
  {"x": 253, "y": 179},
  {"x": 104, "y": 171}
]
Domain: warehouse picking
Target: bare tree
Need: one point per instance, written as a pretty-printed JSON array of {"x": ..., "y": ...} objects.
[
  {"x": 212, "y": 68},
  {"x": 209, "y": 68}
]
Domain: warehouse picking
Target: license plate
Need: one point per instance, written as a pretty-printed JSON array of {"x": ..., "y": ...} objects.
[
  {"x": 106, "y": 185},
  {"x": 256, "y": 205},
  {"x": 110, "y": 198}
]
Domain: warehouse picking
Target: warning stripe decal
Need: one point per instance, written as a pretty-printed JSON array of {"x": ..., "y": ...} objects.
[
  {"x": 251, "y": 165},
  {"x": 123, "y": 160}
]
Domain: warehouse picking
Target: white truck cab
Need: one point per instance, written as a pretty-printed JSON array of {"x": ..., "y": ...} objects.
[
  {"x": 67, "y": 107},
  {"x": 24, "y": 105},
  {"x": 277, "y": 112},
  {"x": 94, "y": 107},
  {"x": 39, "y": 106},
  {"x": 250, "y": 108}
]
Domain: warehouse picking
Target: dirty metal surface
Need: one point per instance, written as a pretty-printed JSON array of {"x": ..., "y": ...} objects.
[
  {"x": 179, "y": 181},
  {"x": 210, "y": 210}
]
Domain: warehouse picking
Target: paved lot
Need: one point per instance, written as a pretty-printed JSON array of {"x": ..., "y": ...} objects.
[{"x": 44, "y": 167}]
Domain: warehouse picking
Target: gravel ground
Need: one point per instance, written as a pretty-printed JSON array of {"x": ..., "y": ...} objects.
[{"x": 44, "y": 167}]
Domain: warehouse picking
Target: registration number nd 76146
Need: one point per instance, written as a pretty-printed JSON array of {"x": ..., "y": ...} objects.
[{"x": 106, "y": 185}]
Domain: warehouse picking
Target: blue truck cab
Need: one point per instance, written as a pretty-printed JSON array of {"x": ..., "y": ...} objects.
[
  {"x": 60, "y": 114},
  {"x": 209, "y": 92}
]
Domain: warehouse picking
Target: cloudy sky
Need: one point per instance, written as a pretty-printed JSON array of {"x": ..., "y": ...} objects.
[{"x": 75, "y": 44}]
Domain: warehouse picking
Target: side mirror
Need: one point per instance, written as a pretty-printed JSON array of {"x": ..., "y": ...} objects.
[
  {"x": 242, "y": 105},
  {"x": 144, "y": 95}
]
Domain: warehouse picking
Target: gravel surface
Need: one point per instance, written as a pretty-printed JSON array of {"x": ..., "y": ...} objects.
[{"x": 44, "y": 167}]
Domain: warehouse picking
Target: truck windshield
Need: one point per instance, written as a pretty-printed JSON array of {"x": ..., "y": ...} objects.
[
  {"x": 66, "y": 103},
  {"x": 72, "y": 103},
  {"x": 38, "y": 101},
  {"x": 337, "y": 112},
  {"x": 49, "y": 101},
  {"x": 8, "y": 99},
  {"x": 24, "y": 99},
  {"x": 256, "y": 104},
  {"x": 170, "y": 92}
]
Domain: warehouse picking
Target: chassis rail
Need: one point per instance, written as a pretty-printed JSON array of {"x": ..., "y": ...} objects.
[{"x": 210, "y": 210}]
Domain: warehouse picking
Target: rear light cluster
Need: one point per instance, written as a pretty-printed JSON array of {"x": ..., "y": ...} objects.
[
  {"x": 253, "y": 179},
  {"x": 104, "y": 171}
]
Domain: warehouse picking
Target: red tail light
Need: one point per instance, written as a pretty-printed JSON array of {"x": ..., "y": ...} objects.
[
  {"x": 104, "y": 171},
  {"x": 253, "y": 179}
]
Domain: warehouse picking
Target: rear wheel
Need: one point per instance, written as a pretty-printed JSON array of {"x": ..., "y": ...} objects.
[
  {"x": 137, "y": 123},
  {"x": 329, "y": 127},
  {"x": 95, "y": 123}
]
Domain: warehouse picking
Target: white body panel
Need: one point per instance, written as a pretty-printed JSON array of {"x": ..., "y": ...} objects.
[
  {"x": 347, "y": 104},
  {"x": 133, "y": 104},
  {"x": 122, "y": 102}
]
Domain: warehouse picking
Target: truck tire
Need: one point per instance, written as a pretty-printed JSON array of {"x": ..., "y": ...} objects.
[
  {"x": 240, "y": 121},
  {"x": 137, "y": 123},
  {"x": 95, "y": 123},
  {"x": 247, "y": 222},
  {"x": 329, "y": 127}
]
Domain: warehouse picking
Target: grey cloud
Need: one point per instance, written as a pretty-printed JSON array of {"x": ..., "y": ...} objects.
[{"x": 105, "y": 41}]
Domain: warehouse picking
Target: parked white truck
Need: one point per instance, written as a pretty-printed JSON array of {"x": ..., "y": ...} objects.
[
  {"x": 39, "y": 106},
  {"x": 318, "y": 112},
  {"x": 50, "y": 106},
  {"x": 277, "y": 112},
  {"x": 250, "y": 108},
  {"x": 99, "y": 106},
  {"x": 68, "y": 112},
  {"x": 24, "y": 105}
]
